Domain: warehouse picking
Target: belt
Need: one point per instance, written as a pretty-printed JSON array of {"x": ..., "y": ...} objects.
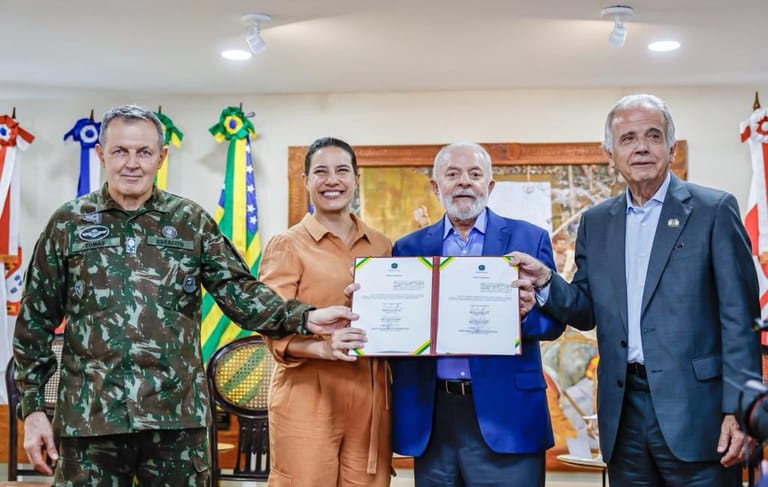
[
  {"x": 637, "y": 369},
  {"x": 462, "y": 387}
]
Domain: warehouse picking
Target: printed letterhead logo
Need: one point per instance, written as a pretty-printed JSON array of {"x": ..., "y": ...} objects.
[
  {"x": 93, "y": 233},
  {"x": 393, "y": 265},
  {"x": 481, "y": 267}
]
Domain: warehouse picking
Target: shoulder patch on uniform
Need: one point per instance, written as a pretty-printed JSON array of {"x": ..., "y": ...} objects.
[
  {"x": 93, "y": 233},
  {"x": 169, "y": 232}
]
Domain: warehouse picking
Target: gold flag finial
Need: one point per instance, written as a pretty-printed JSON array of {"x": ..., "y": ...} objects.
[{"x": 756, "y": 104}]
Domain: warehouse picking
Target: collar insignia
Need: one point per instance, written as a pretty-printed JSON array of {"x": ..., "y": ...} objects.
[{"x": 92, "y": 217}]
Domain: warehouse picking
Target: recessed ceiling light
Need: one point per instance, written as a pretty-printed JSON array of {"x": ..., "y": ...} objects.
[
  {"x": 236, "y": 55},
  {"x": 663, "y": 46}
]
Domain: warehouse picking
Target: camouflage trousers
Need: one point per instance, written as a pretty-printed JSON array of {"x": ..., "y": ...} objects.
[{"x": 155, "y": 458}]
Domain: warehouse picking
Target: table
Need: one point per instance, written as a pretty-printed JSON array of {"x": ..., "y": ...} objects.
[{"x": 588, "y": 463}]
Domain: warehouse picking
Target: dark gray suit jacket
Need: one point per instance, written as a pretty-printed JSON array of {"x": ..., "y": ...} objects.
[{"x": 700, "y": 297}]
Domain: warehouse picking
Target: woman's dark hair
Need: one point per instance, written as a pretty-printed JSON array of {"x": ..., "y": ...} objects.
[{"x": 328, "y": 142}]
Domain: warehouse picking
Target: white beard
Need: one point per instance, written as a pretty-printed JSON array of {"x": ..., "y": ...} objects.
[{"x": 466, "y": 213}]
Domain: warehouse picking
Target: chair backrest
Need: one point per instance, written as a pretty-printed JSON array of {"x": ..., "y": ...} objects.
[
  {"x": 52, "y": 386},
  {"x": 238, "y": 377},
  {"x": 14, "y": 397}
]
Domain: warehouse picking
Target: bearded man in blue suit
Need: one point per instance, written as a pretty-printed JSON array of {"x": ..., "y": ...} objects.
[
  {"x": 666, "y": 274},
  {"x": 480, "y": 420}
]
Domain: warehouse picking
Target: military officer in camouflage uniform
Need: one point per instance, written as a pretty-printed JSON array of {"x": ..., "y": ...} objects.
[{"x": 125, "y": 266}]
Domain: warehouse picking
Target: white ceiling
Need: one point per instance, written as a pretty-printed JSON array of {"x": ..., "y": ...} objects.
[{"x": 172, "y": 46}]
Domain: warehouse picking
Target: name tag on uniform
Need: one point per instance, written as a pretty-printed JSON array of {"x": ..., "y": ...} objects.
[
  {"x": 170, "y": 242},
  {"x": 77, "y": 247}
]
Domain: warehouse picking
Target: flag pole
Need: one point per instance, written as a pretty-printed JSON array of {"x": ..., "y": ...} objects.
[{"x": 760, "y": 268}]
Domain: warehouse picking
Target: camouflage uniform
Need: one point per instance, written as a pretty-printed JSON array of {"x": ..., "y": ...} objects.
[
  {"x": 128, "y": 284},
  {"x": 177, "y": 458}
]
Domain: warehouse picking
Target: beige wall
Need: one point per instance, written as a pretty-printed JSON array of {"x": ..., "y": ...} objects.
[{"x": 708, "y": 117}]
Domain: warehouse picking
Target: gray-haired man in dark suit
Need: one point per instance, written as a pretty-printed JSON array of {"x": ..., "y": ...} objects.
[{"x": 666, "y": 274}]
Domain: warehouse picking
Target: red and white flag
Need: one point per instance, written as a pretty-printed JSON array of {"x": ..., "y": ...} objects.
[
  {"x": 12, "y": 139},
  {"x": 754, "y": 132}
]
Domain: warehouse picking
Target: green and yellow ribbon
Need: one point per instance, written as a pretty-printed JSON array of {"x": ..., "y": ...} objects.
[{"x": 172, "y": 136}]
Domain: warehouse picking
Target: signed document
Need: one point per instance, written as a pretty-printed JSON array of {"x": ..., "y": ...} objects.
[
  {"x": 437, "y": 306},
  {"x": 395, "y": 304},
  {"x": 478, "y": 310}
]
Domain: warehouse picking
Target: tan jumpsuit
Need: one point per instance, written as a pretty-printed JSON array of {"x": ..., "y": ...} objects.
[{"x": 329, "y": 421}]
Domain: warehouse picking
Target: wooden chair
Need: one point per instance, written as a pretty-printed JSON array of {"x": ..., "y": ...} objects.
[
  {"x": 14, "y": 398},
  {"x": 239, "y": 374}
]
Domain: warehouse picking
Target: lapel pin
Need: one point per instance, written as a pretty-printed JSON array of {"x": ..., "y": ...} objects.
[{"x": 673, "y": 223}]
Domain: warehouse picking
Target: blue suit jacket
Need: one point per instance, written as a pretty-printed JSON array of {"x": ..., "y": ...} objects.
[
  {"x": 509, "y": 392},
  {"x": 699, "y": 300}
]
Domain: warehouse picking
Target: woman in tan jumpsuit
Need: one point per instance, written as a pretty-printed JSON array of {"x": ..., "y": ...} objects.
[{"x": 328, "y": 413}]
